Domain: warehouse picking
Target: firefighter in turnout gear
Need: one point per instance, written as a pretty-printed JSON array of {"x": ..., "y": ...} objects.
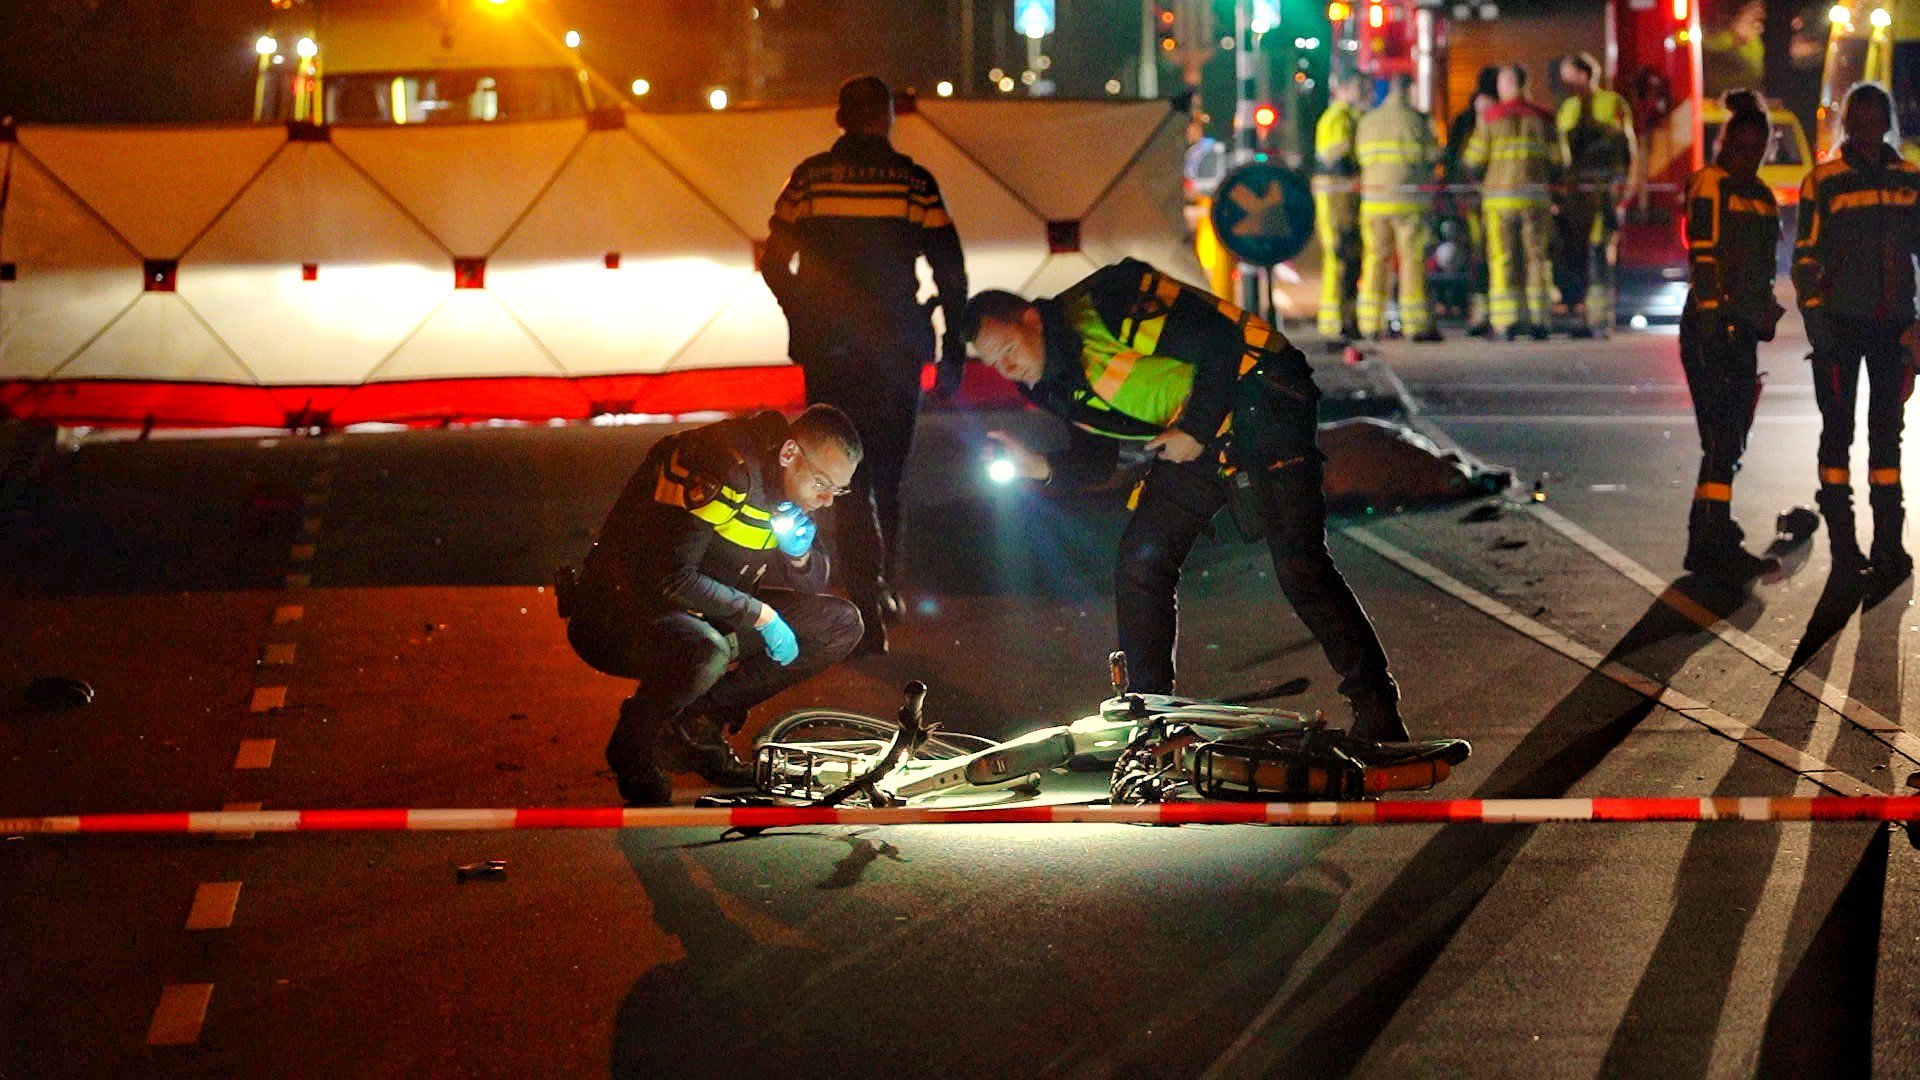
[
  {"x": 1518, "y": 157},
  {"x": 1395, "y": 145},
  {"x": 1733, "y": 230},
  {"x": 1225, "y": 408},
  {"x": 841, "y": 258},
  {"x": 1336, "y": 206},
  {"x": 704, "y": 586},
  {"x": 1853, "y": 274},
  {"x": 1596, "y": 127}
]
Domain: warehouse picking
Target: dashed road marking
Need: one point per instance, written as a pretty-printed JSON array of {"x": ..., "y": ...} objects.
[
  {"x": 1593, "y": 660},
  {"x": 180, "y": 1014},
  {"x": 213, "y": 905},
  {"x": 288, "y": 614},
  {"x": 277, "y": 653},
  {"x": 268, "y": 698},
  {"x": 254, "y": 754}
]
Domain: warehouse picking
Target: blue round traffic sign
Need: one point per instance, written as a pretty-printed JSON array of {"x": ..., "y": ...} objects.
[{"x": 1263, "y": 214}]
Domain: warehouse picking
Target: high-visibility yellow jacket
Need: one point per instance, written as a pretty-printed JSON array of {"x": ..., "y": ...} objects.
[
  {"x": 1517, "y": 153},
  {"x": 1333, "y": 146},
  {"x": 1598, "y": 133},
  {"x": 1395, "y": 145}
]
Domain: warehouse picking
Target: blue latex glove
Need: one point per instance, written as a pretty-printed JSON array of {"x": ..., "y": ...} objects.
[
  {"x": 793, "y": 532},
  {"x": 781, "y": 644}
]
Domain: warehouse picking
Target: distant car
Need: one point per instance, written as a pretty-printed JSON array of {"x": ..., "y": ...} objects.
[{"x": 1789, "y": 157}]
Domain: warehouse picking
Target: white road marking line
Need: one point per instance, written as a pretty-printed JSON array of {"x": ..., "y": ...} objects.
[
  {"x": 254, "y": 754},
  {"x": 268, "y": 698},
  {"x": 1610, "y": 420},
  {"x": 1697, "y": 711},
  {"x": 1857, "y": 713},
  {"x": 213, "y": 905},
  {"x": 181, "y": 1012},
  {"x": 287, "y": 614},
  {"x": 241, "y": 806},
  {"x": 277, "y": 653}
]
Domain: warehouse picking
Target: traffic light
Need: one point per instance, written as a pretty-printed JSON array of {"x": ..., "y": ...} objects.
[
  {"x": 1338, "y": 12},
  {"x": 1264, "y": 117},
  {"x": 1164, "y": 21}
]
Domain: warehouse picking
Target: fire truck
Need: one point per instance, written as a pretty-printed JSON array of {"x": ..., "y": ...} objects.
[{"x": 416, "y": 62}]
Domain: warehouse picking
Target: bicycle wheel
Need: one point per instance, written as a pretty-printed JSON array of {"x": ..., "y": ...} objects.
[{"x": 826, "y": 725}]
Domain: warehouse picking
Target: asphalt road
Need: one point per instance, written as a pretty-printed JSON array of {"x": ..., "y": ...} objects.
[{"x": 374, "y": 604}]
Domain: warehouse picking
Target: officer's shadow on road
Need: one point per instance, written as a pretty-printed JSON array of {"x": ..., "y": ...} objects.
[{"x": 1340, "y": 1009}]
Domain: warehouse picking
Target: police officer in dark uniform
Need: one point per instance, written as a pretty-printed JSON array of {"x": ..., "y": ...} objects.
[
  {"x": 1227, "y": 407},
  {"x": 858, "y": 218},
  {"x": 707, "y": 559},
  {"x": 1733, "y": 230},
  {"x": 1853, "y": 273}
]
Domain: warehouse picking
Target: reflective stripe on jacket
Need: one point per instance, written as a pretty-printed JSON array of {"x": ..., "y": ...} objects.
[
  {"x": 1395, "y": 145},
  {"x": 1515, "y": 150},
  {"x": 1733, "y": 230},
  {"x": 1859, "y": 228}
]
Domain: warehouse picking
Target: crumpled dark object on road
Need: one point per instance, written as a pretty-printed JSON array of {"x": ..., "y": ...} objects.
[{"x": 1376, "y": 463}]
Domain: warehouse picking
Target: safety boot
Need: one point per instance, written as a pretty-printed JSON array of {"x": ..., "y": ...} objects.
[
  {"x": 633, "y": 753},
  {"x": 696, "y": 743},
  {"x": 1836, "y": 506},
  {"x": 1890, "y": 559},
  {"x": 1714, "y": 545},
  {"x": 1376, "y": 714}
]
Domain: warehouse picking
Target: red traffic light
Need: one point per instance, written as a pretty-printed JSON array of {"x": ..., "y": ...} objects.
[{"x": 1264, "y": 116}]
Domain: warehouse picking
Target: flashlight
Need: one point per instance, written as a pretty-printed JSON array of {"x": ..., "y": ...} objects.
[{"x": 1001, "y": 470}]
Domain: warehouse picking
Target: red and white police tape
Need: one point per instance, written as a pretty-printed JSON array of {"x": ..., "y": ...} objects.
[{"x": 1402, "y": 812}]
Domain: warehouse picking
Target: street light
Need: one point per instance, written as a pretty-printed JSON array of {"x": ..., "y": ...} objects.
[
  {"x": 306, "y": 48},
  {"x": 265, "y": 46},
  {"x": 573, "y": 39},
  {"x": 640, "y": 87},
  {"x": 1881, "y": 18},
  {"x": 717, "y": 98},
  {"x": 944, "y": 89}
]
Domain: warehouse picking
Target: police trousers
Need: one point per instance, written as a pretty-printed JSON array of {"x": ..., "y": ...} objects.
[
  {"x": 681, "y": 659},
  {"x": 1177, "y": 504},
  {"x": 878, "y": 387}
]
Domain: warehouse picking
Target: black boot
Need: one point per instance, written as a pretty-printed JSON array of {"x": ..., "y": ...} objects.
[
  {"x": 1713, "y": 545},
  {"x": 1890, "y": 559},
  {"x": 633, "y": 753},
  {"x": 1836, "y": 506},
  {"x": 1376, "y": 714},
  {"x": 696, "y": 742}
]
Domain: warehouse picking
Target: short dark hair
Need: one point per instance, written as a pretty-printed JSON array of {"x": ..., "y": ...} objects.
[
  {"x": 864, "y": 99},
  {"x": 1867, "y": 93},
  {"x": 1519, "y": 75},
  {"x": 996, "y": 304},
  {"x": 824, "y": 423},
  {"x": 1580, "y": 63},
  {"x": 1744, "y": 110}
]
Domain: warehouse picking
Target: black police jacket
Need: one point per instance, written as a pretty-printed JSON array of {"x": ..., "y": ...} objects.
[
  {"x": 858, "y": 217},
  {"x": 692, "y": 531}
]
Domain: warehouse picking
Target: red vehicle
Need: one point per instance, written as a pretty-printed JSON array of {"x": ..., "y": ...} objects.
[{"x": 1653, "y": 59}]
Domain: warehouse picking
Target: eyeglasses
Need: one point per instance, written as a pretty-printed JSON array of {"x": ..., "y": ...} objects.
[{"x": 822, "y": 483}]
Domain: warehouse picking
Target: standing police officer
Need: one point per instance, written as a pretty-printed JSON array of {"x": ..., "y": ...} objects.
[
  {"x": 706, "y": 559},
  {"x": 1853, "y": 273},
  {"x": 841, "y": 254},
  {"x": 1336, "y": 204},
  {"x": 1733, "y": 230},
  {"x": 1226, "y": 406},
  {"x": 1394, "y": 143}
]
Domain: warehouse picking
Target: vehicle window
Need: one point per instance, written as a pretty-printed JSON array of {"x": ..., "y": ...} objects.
[{"x": 452, "y": 97}]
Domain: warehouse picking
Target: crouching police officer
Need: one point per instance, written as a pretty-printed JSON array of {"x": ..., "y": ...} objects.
[
  {"x": 707, "y": 559},
  {"x": 1225, "y": 405},
  {"x": 1733, "y": 229}
]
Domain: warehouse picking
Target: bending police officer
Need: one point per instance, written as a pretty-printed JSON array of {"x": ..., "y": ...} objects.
[
  {"x": 707, "y": 559},
  {"x": 841, "y": 254},
  {"x": 1223, "y": 402}
]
